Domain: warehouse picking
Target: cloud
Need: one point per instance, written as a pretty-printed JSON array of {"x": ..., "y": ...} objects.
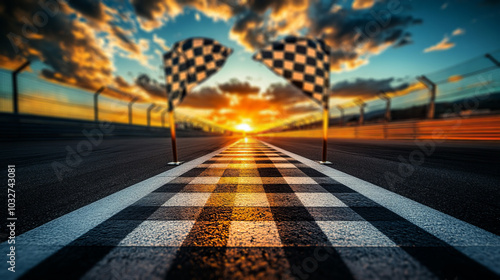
[
  {"x": 362, "y": 4},
  {"x": 122, "y": 40},
  {"x": 152, "y": 87},
  {"x": 256, "y": 23},
  {"x": 234, "y": 86},
  {"x": 228, "y": 103},
  {"x": 79, "y": 44},
  {"x": 197, "y": 17},
  {"x": 355, "y": 35},
  {"x": 455, "y": 78},
  {"x": 92, "y": 9},
  {"x": 208, "y": 98},
  {"x": 405, "y": 40},
  {"x": 444, "y": 6},
  {"x": 161, "y": 43},
  {"x": 76, "y": 43},
  {"x": 443, "y": 45},
  {"x": 458, "y": 32},
  {"x": 154, "y": 13},
  {"x": 365, "y": 88},
  {"x": 335, "y": 8},
  {"x": 69, "y": 48},
  {"x": 284, "y": 94}
]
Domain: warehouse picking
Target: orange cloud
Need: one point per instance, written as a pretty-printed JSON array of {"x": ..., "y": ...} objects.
[
  {"x": 362, "y": 4},
  {"x": 236, "y": 102},
  {"x": 455, "y": 78},
  {"x": 458, "y": 32},
  {"x": 443, "y": 45}
]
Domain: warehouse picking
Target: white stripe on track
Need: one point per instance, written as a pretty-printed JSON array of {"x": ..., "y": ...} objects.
[
  {"x": 36, "y": 245},
  {"x": 474, "y": 242}
]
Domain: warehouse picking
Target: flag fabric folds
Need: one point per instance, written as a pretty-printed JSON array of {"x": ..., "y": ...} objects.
[
  {"x": 190, "y": 62},
  {"x": 302, "y": 61}
]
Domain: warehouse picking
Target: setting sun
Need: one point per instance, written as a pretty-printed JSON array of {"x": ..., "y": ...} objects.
[{"x": 244, "y": 127}]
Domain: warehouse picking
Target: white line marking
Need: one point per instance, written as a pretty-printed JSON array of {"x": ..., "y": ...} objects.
[
  {"x": 474, "y": 242},
  {"x": 40, "y": 243}
]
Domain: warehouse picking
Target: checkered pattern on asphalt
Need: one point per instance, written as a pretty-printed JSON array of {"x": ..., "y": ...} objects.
[{"x": 253, "y": 212}]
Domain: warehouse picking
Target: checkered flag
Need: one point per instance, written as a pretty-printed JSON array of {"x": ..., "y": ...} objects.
[
  {"x": 303, "y": 62},
  {"x": 189, "y": 63}
]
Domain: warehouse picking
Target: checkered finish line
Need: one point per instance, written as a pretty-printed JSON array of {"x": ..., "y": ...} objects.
[{"x": 254, "y": 212}]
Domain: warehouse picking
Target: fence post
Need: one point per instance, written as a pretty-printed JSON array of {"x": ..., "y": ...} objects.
[
  {"x": 163, "y": 117},
  {"x": 341, "y": 109},
  {"x": 130, "y": 109},
  {"x": 362, "y": 106},
  {"x": 96, "y": 103},
  {"x": 490, "y": 57},
  {"x": 15, "y": 94},
  {"x": 383, "y": 95},
  {"x": 432, "y": 102},
  {"x": 149, "y": 113}
]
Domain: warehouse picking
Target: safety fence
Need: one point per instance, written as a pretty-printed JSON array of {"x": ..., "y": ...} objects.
[
  {"x": 469, "y": 128},
  {"x": 469, "y": 88},
  {"x": 40, "y": 97}
]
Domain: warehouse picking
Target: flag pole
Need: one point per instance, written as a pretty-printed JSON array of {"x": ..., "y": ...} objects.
[
  {"x": 325, "y": 133},
  {"x": 326, "y": 114},
  {"x": 173, "y": 134},
  {"x": 326, "y": 118}
]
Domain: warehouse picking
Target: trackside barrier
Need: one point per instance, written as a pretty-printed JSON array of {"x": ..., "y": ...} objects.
[{"x": 470, "y": 128}]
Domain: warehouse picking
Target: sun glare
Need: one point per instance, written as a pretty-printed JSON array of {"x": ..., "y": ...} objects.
[{"x": 244, "y": 127}]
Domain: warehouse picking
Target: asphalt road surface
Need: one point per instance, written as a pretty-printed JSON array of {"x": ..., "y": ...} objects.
[
  {"x": 461, "y": 180},
  {"x": 111, "y": 166},
  {"x": 255, "y": 211}
]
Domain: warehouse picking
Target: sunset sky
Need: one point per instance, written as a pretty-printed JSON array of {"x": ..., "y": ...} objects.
[{"x": 378, "y": 45}]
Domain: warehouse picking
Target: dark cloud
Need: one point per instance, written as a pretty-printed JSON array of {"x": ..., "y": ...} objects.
[
  {"x": 284, "y": 94},
  {"x": 355, "y": 35},
  {"x": 120, "y": 81},
  {"x": 151, "y": 86},
  {"x": 405, "y": 40},
  {"x": 250, "y": 31},
  {"x": 235, "y": 86},
  {"x": 206, "y": 98},
  {"x": 365, "y": 88},
  {"x": 90, "y": 8},
  {"x": 124, "y": 40},
  {"x": 147, "y": 8}
]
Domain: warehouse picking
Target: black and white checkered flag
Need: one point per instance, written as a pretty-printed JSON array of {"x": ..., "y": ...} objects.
[
  {"x": 189, "y": 63},
  {"x": 302, "y": 61}
]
